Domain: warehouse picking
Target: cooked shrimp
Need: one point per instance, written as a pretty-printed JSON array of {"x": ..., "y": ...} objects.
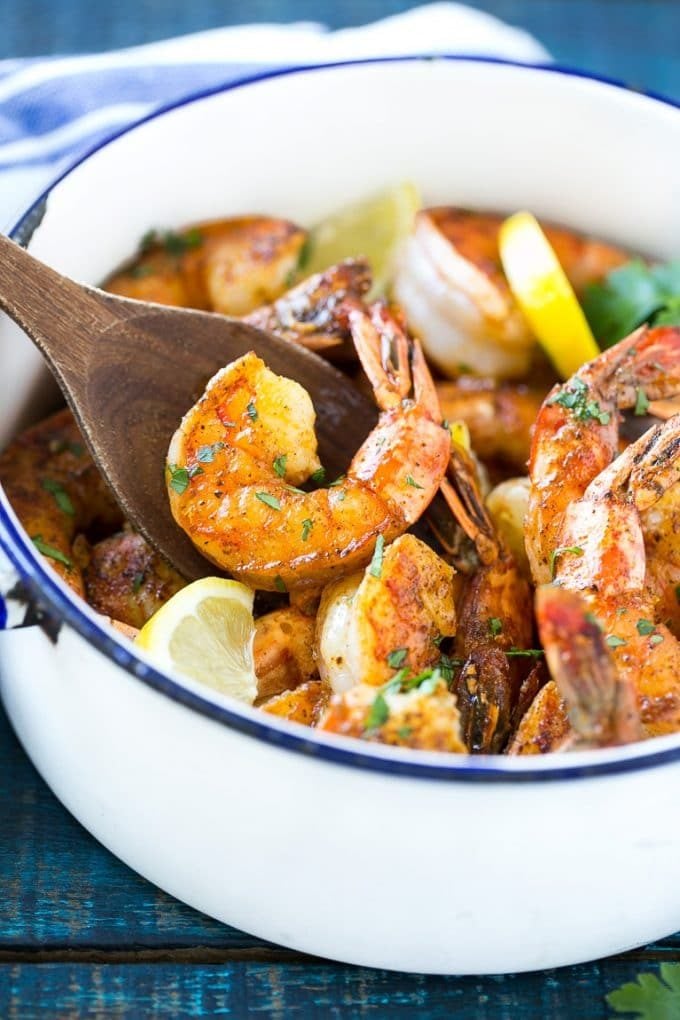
[
  {"x": 661, "y": 529},
  {"x": 314, "y": 314},
  {"x": 577, "y": 430},
  {"x": 127, "y": 580},
  {"x": 494, "y": 617},
  {"x": 57, "y": 492},
  {"x": 457, "y": 300},
  {"x": 601, "y": 700},
  {"x": 231, "y": 266},
  {"x": 423, "y": 716},
  {"x": 603, "y": 557},
  {"x": 544, "y": 726},
  {"x": 283, "y": 651},
  {"x": 370, "y": 625},
  {"x": 249, "y": 442},
  {"x": 304, "y": 704},
  {"x": 499, "y": 416}
]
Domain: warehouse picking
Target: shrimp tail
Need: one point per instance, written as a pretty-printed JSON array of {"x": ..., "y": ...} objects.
[
  {"x": 383, "y": 350},
  {"x": 602, "y": 705},
  {"x": 484, "y": 697},
  {"x": 461, "y": 492}
]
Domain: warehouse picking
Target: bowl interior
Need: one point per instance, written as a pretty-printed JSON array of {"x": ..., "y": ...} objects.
[{"x": 472, "y": 133}]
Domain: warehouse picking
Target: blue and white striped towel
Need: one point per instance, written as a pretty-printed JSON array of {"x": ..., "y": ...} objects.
[{"x": 53, "y": 110}]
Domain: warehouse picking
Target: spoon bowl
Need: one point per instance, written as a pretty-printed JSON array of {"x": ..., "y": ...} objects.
[{"x": 130, "y": 370}]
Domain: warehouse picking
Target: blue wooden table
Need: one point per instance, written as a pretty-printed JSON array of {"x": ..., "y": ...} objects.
[{"x": 80, "y": 934}]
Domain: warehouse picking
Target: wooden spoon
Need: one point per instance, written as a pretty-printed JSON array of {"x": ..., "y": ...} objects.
[{"x": 129, "y": 371}]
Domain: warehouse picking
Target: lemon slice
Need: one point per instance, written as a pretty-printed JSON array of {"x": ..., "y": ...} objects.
[
  {"x": 545, "y": 295},
  {"x": 374, "y": 228},
  {"x": 205, "y": 631}
]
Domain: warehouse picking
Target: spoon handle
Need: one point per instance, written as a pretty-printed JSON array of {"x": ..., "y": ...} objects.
[{"x": 62, "y": 318}]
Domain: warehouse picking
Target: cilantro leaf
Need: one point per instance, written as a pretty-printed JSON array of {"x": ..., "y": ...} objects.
[
  {"x": 650, "y": 998},
  {"x": 630, "y": 295}
]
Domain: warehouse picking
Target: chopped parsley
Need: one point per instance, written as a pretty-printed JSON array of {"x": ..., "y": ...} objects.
[
  {"x": 280, "y": 465},
  {"x": 562, "y": 550},
  {"x": 404, "y": 732},
  {"x": 179, "y": 478},
  {"x": 338, "y": 481},
  {"x": 307, "y": 526},
  {"x": 397, "y": 658},
  {"x": 174, "y": 244},
  {"x": 206, "y": 454},
  {"x": 268, "y": 499},
  {"x": 375, "y": 569},
  {"x": 280, "y": 584},
  {"x": 614, "y": 641},
  {"x": 645, "y": 627},
  {"x": 641, "y": 402},
  {"x": 251, "y": 410},
  {"x": 656, "y": 639},
  {"x": 495, "y": 626},
  {"x": 533, "y": 653},
  {"x": 49, "y": 550},
  {"x": 318, "y": 476},
  {"x": 410, "y": 480},
  {"x": 378, "y": 713},
  {"x": 137, "y": 581},
  {"x": 61, "y": 496},
  {"x": 139, "y": 272},
  {"x": 574, "y": 396}
]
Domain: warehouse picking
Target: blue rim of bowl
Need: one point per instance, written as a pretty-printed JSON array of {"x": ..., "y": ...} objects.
[{"x": 42, "y": 583}]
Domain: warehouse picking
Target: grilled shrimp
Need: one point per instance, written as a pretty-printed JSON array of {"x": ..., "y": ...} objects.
[
  {"x": 249, "y": 442},
  {"x": 305, "y": 704},
  {"x": 424, "y": 716},
  {"x": 494, "y": 617},
  {"x": 57, "y": 492},
  {"x": 231, "y": 266},
  {"x": 577, "y": 430},
  {"x": 457, "y": 300},
  {"x": 499, "y": 416},
  {"x": 603, "y": 557},
  {"x": 283, "y": 651},
  {"x": 370, "y": 625}
]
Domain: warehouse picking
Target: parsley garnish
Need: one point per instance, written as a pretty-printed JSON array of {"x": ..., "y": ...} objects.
[
  {"x": 645, "y": 627},
  {"x": 49, "y": 550},
  {"x": 251, "y": 410},
  {"x": 677, "y": 592},
  {"x": 573, "y": 395},
  {"x": 137, "y": 581},
  {"x": 404, "y": 732},
  {"x": 179, "y": 478},
  {"x": 378, "y": 713},
  {"x": 174, "y": 244},
  {"x": 139, "y": 272},
  {"x": 410, "y": 480},
  {"x": 375, "y": 569},
  {"x": 648, "y": 997},
  {"x": 614, "y": 641},
  {"x": 318, "y": 476},
  {"x": 279, "y": 583},
  {"x": 338, "y": 481},
  {"x": 206, "y": 454},
  {"x": 280, "y": 465},
  {"x": 656, "y": 639},
  {"x": 532, "y": 653},
  {"x": 560, "y": 551},
  {"x": 61, "y": 496},
  {"x": 630, "y": 295},
  {"x": 446, "y": 666},
  {"x": 495, "y": 626},
  {"x": 265, "y": 497},
  {"x": 397, "y": 658},
  {"x": 641, "y": 402},
  {"x": 307, "y": 526}
]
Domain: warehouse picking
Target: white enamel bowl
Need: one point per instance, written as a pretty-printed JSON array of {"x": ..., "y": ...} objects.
[{"x": 412, "y": 861}]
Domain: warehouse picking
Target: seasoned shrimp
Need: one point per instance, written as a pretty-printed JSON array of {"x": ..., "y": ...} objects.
[
  {"x": 494, "y": 617},
  {"x": 57, "y": 492},
  {"x": 603, "y": 557},
  {"x": 231, "y": 266},
  {"x": 314, "y": 314},
  {"x": 423, "y": 716},
  {"x": 249, "y": 442},
  {"x": 370, "y": 625},
  {"x": 127, "y": 580},
  {"x": 577, "y": 430},
  {"x": 283, "y": 651},
  {"x": 499, "y": 416},
  {"x": 457, "y": 300}
]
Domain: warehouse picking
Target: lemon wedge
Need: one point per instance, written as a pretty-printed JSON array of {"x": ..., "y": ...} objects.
[
  {"x": 205, "y": 631},
  {"x": 545, "y": 295},
  {"x": 374, "y": 228}
]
